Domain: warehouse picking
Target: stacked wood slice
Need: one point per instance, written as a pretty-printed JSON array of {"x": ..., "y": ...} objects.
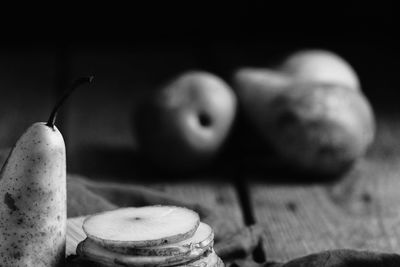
[{"x": 148, "y": 236}]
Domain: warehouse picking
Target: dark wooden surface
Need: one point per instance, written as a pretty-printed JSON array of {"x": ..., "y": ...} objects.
[{"x": 360, "y": 210}]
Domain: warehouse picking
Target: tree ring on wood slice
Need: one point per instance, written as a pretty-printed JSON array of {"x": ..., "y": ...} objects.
[
  {"x": 93, "y": 252},
  {"x": 141, "y": 227},
  {"x": 202, "y": 239}
]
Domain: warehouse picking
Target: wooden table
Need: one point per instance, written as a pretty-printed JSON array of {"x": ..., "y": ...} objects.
[{"x": 358, "y": 211}]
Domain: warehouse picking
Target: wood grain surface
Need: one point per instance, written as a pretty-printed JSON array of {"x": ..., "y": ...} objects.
[{"x": 360, "y": 211}]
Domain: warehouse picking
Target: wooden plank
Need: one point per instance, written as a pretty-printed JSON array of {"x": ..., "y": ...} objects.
[
  {"x": 27, "y": 77},
  {"x": 359, "y": 212}
]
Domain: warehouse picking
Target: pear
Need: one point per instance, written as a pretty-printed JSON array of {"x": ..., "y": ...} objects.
[
  {"x": 94, "y": 253},
  {"x": 311, "y": 110},
  {"x": 33, "y": 197},
  {"x": 203, "y": 238},
  {"x": 89, "y": 249},
  {"x": 317, "y": 65},
  {"x": 142, "y": 227},
  {"x": 148, "y": 236},
  {"x": 184, "y": 125}
]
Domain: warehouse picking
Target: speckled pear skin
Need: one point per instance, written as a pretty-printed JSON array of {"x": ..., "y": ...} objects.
[{"x": 33, "y": 200}]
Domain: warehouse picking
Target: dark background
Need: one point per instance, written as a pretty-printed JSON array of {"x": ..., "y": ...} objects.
[
  {"x": 220, "y": 37},
  {"x": 134, "y": 49}
]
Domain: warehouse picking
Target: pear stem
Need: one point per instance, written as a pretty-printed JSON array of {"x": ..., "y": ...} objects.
[{"x": 78, "y": 82}]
